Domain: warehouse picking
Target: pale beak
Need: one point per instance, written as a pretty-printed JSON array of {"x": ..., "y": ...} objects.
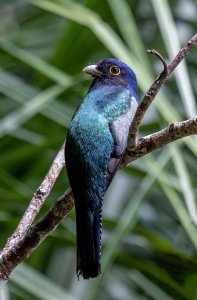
[{"x": 92, "y": 70}]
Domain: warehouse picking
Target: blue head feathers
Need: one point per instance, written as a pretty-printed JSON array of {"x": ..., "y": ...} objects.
[{"x": 112, "y": 72}]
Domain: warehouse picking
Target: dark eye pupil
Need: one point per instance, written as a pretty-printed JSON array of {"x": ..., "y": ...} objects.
[{"x": 114, "y": 70}]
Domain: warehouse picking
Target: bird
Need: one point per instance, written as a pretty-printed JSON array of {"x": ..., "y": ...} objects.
[{"x": 96, "y": 141}]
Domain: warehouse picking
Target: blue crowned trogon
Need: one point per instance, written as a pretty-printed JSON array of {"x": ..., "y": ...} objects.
[{"x": 96, "y": 141}]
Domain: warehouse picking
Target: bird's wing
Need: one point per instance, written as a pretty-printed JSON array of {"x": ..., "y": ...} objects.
[
  {"x": 119, "y": 130},
  {"x": 86, "y": 162}
]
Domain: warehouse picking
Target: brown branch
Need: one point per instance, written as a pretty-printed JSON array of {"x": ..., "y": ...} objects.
[
  {"x": 165, "y": 66},
  {"x": 155, "y": 87},
  {"x": 157, "y": 140},
  {"x": 182, "y": 54},
  {"x": 27, "y": 237},
  {"x": 38, "y": 199},
  {"x": 13, "y": 256},
  {"x": 146, "y": 102}
]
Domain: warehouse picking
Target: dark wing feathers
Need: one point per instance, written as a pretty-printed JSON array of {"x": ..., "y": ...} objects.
[{"x": 88, "y": 184}]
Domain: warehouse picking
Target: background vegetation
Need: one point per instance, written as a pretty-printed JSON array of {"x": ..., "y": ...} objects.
[{"x": 150, "y": 217}]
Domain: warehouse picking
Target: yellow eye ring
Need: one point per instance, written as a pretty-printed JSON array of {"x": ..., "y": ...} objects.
[{"x": 114, "y": 70}]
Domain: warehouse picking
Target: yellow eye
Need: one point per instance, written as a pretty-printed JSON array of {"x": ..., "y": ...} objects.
[{"x": 114, "y": 70}]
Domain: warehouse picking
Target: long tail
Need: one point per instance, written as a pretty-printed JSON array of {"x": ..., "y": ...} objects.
[{"x": 89, "y": 229}]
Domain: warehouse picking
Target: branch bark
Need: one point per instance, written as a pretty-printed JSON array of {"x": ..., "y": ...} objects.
[
  {"x": 38, "y": 199},
  {"x": 155, "y": 87},
  {"x": 157, "y": 140},
  {"x": 27, "y": 237}
]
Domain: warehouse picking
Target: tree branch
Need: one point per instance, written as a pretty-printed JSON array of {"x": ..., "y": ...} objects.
[
  {"x": 155, "y": 141},
  {"x": 155, "y": 87},
  {"x": 27, "y": 237},
  {"x": 38, "y": 199},
  {"x": 14, "y": 255}
]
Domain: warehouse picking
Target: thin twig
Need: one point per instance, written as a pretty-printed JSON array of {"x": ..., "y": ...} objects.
[
  {"x": 182, "y": 54},
  {"x": 165, "y": 66}
]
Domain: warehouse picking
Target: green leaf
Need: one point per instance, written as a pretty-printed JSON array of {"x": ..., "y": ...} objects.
[
  {"x": 35, "y": 62},
  {"x": 149, "y": 287},
  {"x": 38, "y": 285},
  {"x": 16, "y": 118},
  {"x": 171, "y": 40}
]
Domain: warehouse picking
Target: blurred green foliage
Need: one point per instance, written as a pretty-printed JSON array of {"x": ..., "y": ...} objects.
[{"x": 150, "y": 217}]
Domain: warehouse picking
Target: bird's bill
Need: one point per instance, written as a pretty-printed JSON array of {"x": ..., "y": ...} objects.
[{"x": 92, "y": 70}]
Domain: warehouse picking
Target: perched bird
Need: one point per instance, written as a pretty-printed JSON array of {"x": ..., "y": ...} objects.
[{"x": 96, "y": 141}]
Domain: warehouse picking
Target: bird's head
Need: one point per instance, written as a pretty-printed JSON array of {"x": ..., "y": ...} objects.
[{"x": 112, "y": 72}]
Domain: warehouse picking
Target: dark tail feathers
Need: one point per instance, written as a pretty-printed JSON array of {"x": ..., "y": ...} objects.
[{"x": 89, "y": 228}]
